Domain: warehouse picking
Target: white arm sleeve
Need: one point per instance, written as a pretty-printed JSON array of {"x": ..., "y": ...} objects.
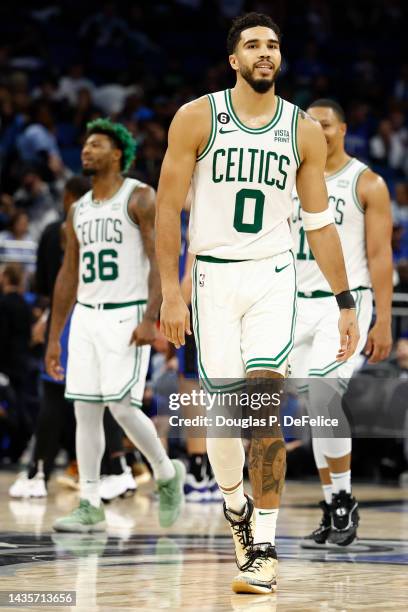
[{"x": 314, "y": 221}]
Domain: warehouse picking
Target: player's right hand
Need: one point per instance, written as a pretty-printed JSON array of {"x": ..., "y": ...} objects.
[
  {"x": 175, "y": 320},
  {"x": 52, "y": 360},
  {"x": 349, "y": 334}
]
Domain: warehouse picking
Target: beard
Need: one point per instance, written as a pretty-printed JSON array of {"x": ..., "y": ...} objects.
[
  {"x": 259, "y": 85},
  {"x": 88, "y": 171}
]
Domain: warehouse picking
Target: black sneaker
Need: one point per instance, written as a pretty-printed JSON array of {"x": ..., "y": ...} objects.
[
  {"x": 344, "y": 519},
  {"x": 242, "y": 529},
  {"x": 320, "y": 535}
]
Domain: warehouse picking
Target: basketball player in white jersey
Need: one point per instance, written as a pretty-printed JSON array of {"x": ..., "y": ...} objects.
[
  {"x": 243, "y": 149},
  {"x": 360, "y": 204},
  {"x": 110, "y": 270}
]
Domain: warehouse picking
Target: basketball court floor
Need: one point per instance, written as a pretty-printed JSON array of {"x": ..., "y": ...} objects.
[{"x": 139, "y": 566}]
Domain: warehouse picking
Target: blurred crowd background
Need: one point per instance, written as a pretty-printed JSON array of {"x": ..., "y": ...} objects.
[{"x": 65, "y": 63}]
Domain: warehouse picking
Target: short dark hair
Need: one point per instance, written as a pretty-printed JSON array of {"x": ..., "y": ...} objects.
[
  {"x": 119, "y": 135},
  {"x": 249, "y": 20},
  {"x": 77, "y": 186},
  {"x": 328, "y": 103},
  {"x": 14, "y": 273}
]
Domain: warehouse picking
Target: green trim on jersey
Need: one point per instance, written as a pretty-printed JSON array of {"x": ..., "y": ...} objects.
[
  {"x": 261, "y": 130},
  {"x": 213, "y": 132},
  {"x": 343, "y": 383},
  {"x": 275, "y": 362},
  {"x": 75, "y": 213},
  {"x": 356, "y": 199},
  {"x": 113, "y": 305},
  {"x": 343, "y": 169},
  {"x": 302, "y": 388},
  {"x": 294, "y": 135},
  {"x": 196, "y": 326},
  {"x": 92, "y": 399},
  {"x": 219, "y": 260},
  {"x": 330, "y": 367},
  {"x": 137, "y": 403},
  {"x": 104, "y": 202}
]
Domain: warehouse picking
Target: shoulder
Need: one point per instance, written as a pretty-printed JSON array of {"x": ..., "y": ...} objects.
[
  {"x": 143, "y": 194},
  {"x": 311, "y": 140},
  {"x": 142, "y": 203},
  {"x": 370, "y": 183},
  {"x": 194, "y": 109},
  {"x": 307, "y": 125},
  {"x": 193, "y": 117}
]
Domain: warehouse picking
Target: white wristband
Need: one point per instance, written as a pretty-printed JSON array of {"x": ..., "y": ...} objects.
[{"x": 314, "y": 221}]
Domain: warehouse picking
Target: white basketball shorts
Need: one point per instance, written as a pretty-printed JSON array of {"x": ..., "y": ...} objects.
[
  {"x": 317, "y": 338},
  {"x": 244, "y": 317},
  {"x": 102, "y": 366}
]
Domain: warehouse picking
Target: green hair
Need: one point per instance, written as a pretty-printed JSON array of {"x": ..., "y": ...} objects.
[{"x": 120, "y": 135}]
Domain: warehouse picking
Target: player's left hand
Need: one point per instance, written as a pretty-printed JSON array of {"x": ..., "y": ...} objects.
[
  {"x": 349, "y": 334},
  {"x": 379, "y": 342},
  {"x": 145, "y": 333}
]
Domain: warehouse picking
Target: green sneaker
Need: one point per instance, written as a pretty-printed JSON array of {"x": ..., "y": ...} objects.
[
  {"x": 84, "y": 519},
  {"x": 171, "y": 495}
]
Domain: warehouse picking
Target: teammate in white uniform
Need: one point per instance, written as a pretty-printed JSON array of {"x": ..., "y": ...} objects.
[
  {"x": 243, "y": 149},
  {"x": 110, "y": 269},
  {"x": 360, "y": 204}
]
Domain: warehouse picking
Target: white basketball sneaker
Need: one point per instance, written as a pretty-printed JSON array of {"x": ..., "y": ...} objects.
[
  {"x": 117, "y": 485},
  {"x": 28, "y": 487}
]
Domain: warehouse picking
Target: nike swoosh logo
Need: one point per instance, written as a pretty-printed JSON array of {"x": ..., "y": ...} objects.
[
  {"x": 280, "y": 269},
  {"x": 262, "y": 513},
  {"x": 123, "y": 320},
  {"x": 222, "y": 131}
]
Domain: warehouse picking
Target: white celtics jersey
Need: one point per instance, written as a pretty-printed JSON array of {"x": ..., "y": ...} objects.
[
  {"x": 349, "y": 219},
  {"x": 113, "y": 266},
  {"x": 242, "y": 184}
]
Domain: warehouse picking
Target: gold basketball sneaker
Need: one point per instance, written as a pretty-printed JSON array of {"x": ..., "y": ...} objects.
[
  {"x": 260, "y": 575},
  {"x": 242, "y": 529}
]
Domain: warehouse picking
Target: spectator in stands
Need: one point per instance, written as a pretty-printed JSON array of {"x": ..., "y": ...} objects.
[
  {"x": 34, "y": 197},
  {"x": 17, "y": 244},
  {"x": 401, "y": 87},
  {"x": 71, "y": 84},
  {"x": 400, "y": 205},
  {"x": 390, "y": 144},
  {"x": 358, "y": 131},
  {"x": 38, "y": 144},
  {"x": 15, "y": 328}
]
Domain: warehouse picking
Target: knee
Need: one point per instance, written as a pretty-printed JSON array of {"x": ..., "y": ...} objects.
[
  {"x": 222, "y": 450},
  {"x": 119, "y": 411}
]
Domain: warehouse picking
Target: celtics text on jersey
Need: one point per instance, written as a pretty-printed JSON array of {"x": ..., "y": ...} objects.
[
  {"x": 242, "y": 184},
  {"x": 349, "y": 219},
  {"x": 113, "y": 265}
]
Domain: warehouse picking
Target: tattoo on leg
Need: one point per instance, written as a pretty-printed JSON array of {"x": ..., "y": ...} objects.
[
  {"x": 274, "y": 467},
  {"x": 267, "y": 465}
]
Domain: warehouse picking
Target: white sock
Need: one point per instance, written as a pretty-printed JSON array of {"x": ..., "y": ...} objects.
[
  {"x": 90, "y": 446},
  {"x": 341, "y": 482},
  {"x": 90, "y": 492},
  {"x": 123, "y": 463},
  {"x": 140, "y": 429},
  {"x": 265, "y": 525},
  {"x": 235, "y": 500},
  {"x": 327, "y": 492},
  {"x": 227, "y": 458}
]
